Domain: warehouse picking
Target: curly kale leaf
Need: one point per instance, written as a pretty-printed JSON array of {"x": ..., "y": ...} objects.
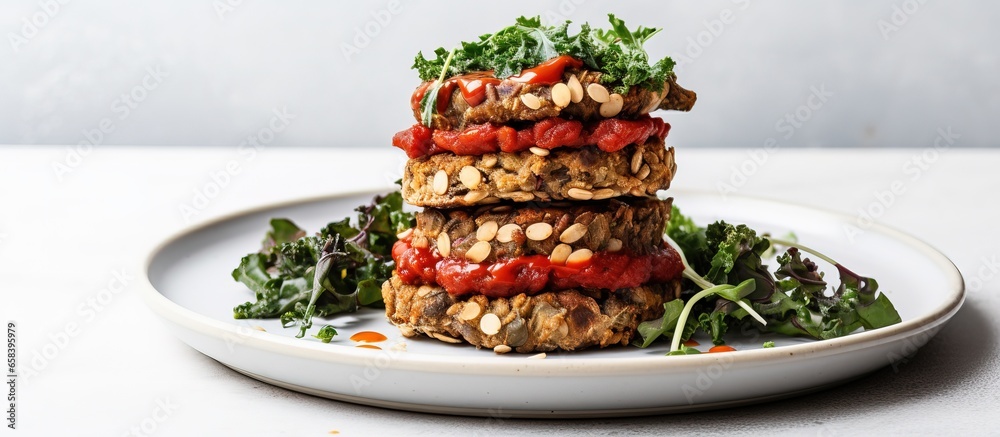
[
  {"x": 691, "y": 239},
  {"x": 794, "y": 301},
  {"x": 616, "y": 52},
  {"x": 737, "y": 257},
  {"x": 297, "y": 276}
]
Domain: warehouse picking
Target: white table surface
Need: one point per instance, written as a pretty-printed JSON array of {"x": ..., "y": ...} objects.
[{"x": 63, "y": 241}]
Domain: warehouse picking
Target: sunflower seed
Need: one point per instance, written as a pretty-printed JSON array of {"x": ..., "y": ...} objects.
[
  {"x": 506, "y": 232},
  {"x": 522, "y": 196},
  {"x": 441, "y": 182},
  {"x": 613, "y": 106},
  {"x": 475, "y": 196},
  {"x": 580, "y": 256},
  {"x": 603, "y": 193},
  {"x": 501, "y": 349},
  {"x": 488, "y": 161},
  {"x": 531, "y": 101},
  {"x": 575, "y": 89},
  {"x": 636, "y": 161},
  {"x": 470, "y": 177},
  {"x": 478, "y": 252},
  {"x": 538, "y": 231},
  {"x": 560, "y": 253},
  {"x": 470, "y": 311},
  {"x": 486, "y": 231},
  {"x": 490, "y": 324},
  {"x": 444, "y": 244},
  {"x": 539, "y": 151},
  {"x": 445, "y": 338},
  {"x": 561, "y": 95},
  {"x": 598, "y": 93},
  {"x": 580, "y": 194},
  {"x": 575, "y": 232},
  {"x": 614, "y": 245},
  {"x": 643, "y": 172}
]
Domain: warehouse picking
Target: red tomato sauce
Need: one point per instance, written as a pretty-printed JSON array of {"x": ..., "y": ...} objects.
[
  {"x": 721, "y": 348},
  {"x": 609, "y": 135},
  {"x": 473, "y": 85},
  {"x": 533, "y": 273}
]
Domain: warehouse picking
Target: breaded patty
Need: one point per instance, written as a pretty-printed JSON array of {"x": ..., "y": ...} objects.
[
  {"x": 567, "y": 320},
  {"x": 446, "y": 180}
]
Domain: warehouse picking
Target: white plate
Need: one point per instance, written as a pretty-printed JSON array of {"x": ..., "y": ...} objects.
[{"x": 191, "y": 289}]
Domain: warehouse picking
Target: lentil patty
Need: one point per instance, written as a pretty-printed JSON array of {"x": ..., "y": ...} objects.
[
  {"x": 566, "y": 320},
  {"x": 631, "y": 224},
  {"x": 504, "y": 102},
  {"x": 446, "y": 180}
]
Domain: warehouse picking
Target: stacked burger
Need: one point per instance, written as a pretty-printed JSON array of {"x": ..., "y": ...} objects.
[{"x": 541, "y": 228}]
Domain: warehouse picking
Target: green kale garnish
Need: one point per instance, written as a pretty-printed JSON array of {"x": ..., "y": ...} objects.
[
  {"x": 326, "y": 333},
  {"x": 617, "y": 52},
  {"x": 297, "y": 276},
  {"x": 794, "y": 301}
]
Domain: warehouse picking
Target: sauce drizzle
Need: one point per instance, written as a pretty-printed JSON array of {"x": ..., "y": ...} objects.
[{"x": 368, "y": 337}]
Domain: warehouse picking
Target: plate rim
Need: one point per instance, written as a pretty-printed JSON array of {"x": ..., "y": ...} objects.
[{"x": 490, "y": 365}]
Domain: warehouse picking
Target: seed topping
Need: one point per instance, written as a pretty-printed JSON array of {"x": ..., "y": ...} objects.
[
  {"x": 573, "y": 233},
  {"x": 538, "y": 231},
  {"x": 490, "y": 324},
  {"x": 441, "y": 182}
]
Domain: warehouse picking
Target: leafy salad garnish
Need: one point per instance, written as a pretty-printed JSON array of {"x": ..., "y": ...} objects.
[
  {"x": 794, "y": 301},
  {"x": 617, "y": 52},
  {"x": 297, "y": 276}
]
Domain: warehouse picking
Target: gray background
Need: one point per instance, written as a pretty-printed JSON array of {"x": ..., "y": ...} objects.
[{"x": 227, "y": 64}]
